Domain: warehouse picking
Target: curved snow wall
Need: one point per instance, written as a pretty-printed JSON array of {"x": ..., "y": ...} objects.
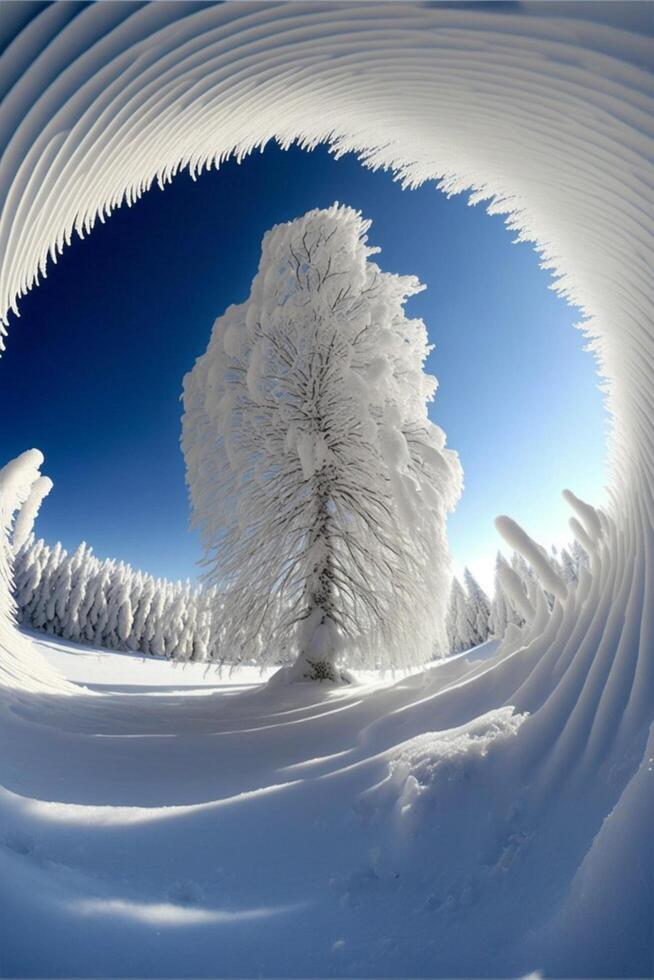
[
  {"x": 546, "y": 117},
  {"x": 22, "y": 489}
]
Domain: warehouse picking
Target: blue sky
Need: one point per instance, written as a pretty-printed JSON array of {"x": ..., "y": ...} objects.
[{"x": 93, "y": 368}]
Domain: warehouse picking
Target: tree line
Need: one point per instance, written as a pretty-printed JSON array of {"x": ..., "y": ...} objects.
[
  {"x": 473, "y": 618},
  {"x": 106, "y": 603}
]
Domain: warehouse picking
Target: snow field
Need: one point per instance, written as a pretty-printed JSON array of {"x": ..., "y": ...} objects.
[{"x": 215, "y": 834}]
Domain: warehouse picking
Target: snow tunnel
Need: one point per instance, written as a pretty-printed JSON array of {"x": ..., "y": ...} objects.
[{"x": 535, "y": 109}]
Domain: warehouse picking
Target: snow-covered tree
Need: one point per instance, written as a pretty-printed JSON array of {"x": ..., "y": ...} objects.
[
  {"x": 468, "y": 614},
  {"x": 460, "y": 635},
  {"x": 569, "y": 571},
  {"x": 316, "y": 478},
  {"x": 107, "y": 604},
  {"x": 478, "y": 608},
  {"x": 125, "y": 616},
  {"x": 503, "y": 611},
  {"x": 580, "y": 557}
]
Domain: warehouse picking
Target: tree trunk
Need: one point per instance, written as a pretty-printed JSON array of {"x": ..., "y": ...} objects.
[{"x": 317, "y": 657}]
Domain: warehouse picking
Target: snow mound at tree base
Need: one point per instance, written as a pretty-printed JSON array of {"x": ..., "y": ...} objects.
[{"x": 312, "y": 671}]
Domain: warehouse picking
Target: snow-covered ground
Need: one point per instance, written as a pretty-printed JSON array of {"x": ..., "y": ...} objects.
[
  {"x": 172, "y": 821},
  {"x": 166, "y": 820},
  {"x": 112, "y": 670}
]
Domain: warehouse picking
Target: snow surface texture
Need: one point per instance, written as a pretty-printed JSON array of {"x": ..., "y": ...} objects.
[{"x": 549, "y": 118}]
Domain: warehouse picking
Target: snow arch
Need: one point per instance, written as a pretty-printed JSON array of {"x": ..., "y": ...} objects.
[{"x": 545, "y": 115}]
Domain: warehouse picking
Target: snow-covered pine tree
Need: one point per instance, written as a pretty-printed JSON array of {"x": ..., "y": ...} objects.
[
  {"x": 202, "y": 633},
  {"x": 28, "y": 568},
  {"x": 89, "y": 611},
  {"x": 80, "y": 566},
  {"x": 141, "y": 603},
  {"x": 569, "y": 571},
  {"x": 478, "y": 608},
  {"x": 107, "y": 604},
  {"x": 43, "y": 617},
  {"x": 176, "y": 626},
  {"x": 580, "y": 556},
  {"x": 460, "y": 635},
  {"x": 503, "y": 611},
  {"x": 60, "y": 595},
  {"x": 99, "y": 615},
  {"x": 125, "y": 615},
  {"x": 156, "y": 632},
  {"x": 29, "y": 565},
  {"x": 525, "y": 573},
  {"x": 316, "y": 478}
]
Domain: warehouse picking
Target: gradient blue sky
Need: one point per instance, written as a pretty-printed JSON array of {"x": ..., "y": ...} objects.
[{"x": 93, "y": 368}]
